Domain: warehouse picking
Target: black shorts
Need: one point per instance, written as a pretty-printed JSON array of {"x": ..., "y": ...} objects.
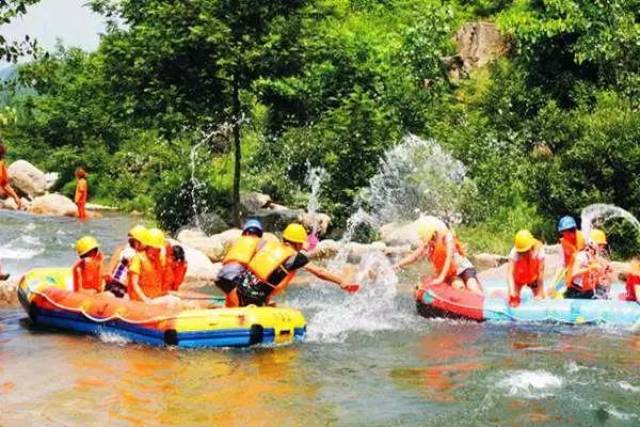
[
  {"x": 116, "y": 288},
  {"x": 226, "y": 285},
  {"x": 469, "y": 273},
  {"x": 574, "y": 293}
]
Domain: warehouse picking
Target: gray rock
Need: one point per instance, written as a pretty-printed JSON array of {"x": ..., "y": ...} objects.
[
  {"x": 54, "y": 205},
  {"x": 277, "y": 219},
  {"x": 253, "y": 201},
  {"x": 478, "y": 44},
  {"x": 27, "y": 179},
  {"x": 318, "y": 221}
]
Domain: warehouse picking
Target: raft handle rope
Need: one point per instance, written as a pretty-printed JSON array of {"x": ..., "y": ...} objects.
[
  {"x": 511, "y": 315},
  {"x": 116, "y": 316}
]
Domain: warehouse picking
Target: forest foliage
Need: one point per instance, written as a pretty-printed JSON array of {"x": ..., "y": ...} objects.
[{"x": 548, "y": 128}]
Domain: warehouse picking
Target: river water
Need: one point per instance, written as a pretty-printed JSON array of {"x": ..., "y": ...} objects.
[{"x": 367, "y": 361}]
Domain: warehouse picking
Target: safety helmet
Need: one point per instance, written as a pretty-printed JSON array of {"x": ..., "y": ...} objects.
[
  {"x": 137, "y": 232},
  {"x": 597, "y": 237},
  {"x": 426, "y": 231},
  {"x": 524, "y": 241},
  {"x": 154, "y": 238},
  {"x": 567, "y": 223},
  {"x": 85, "y": 245},
  {"x": 295, "y": 233},
  {"x": 253, "y": 224}
]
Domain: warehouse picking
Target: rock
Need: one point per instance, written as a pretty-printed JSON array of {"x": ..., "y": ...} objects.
[
  {"x": 253, "y": 201},
  {"x": 394, "y": 234},
  {"x": 211, "y": 223},
  {"x": 326, "y": 249},
  {"x": 27, "y": 179},
  {"x": 8, "y": 295},
  {"x": 54, "y": 205},
  {"x": 277, "y": 219},
  {"x": 187, "y": 234},
  {"x": 485, "y": 261},
  {"x": 211, "y": 246},
  {"x": 478, "y": 44},
  {"x": 10, "y": 204},
  {"x": 319, "y": 221},
  {"x": 200, "y": 270},
  {"x": 228, "y": 238}
]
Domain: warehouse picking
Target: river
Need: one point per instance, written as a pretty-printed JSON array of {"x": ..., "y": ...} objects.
[{"x": 366, "y": 361}]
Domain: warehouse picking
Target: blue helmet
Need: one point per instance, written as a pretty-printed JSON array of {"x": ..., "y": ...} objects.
[
  {"x": 567, "y": 223},
  {"x": 253, "y": 224}
]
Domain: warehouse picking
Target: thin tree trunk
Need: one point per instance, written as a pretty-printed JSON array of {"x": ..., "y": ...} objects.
[{"x": 238, "y": 153}]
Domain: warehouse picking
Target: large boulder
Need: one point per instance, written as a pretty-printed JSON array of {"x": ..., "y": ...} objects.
[
  {"x": 485, "y": 261},
  {"x": 318, "y": 221},
  {"x": 9, "y": 204},
  {"x": 395, "y": 234},
  {"x": 253, "y": 201},
  {"x": 200, "y": 270},
  {"x": 277, "y": 219},
  {"x": 28, "y": 179},
  {"x": 54, "y": 205}
]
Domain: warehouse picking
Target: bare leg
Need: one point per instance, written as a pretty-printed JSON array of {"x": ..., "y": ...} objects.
[
  {"x": 474, "y": 286},
  {"x": 457, "y": 283},
  {"x": 9, "y": 190}
]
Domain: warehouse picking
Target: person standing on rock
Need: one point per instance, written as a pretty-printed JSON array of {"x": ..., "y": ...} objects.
[
  {"x": 4, "y": 177},
  {"x": 274, "y": 266},
  {"x": 82, "y": 193},
  {"x": 446, "y": 255}
]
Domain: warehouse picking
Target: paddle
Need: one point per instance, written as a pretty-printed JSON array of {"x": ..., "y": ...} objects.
[
  {"x": 556, "y": 286},
  {"x": 352, "y": 288}
]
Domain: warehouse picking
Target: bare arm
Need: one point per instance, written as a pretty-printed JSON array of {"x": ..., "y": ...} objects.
[
  {"x": 411, "y": 258},
  {"x": 323, "y": 274},
  {"x": 510, "y": 281}
]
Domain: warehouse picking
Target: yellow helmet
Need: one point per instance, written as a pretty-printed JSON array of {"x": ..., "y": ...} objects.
[
  {"x": 597, "y": 236},
  {"x": 295, "y": 233},
  {"x": 426, "y": 231},
  {"x": 138, "y": 232},
  {"x": 85, "y": 245},
  {"x": 154, "y": 238},
  {"x": 524, "y": 241}
]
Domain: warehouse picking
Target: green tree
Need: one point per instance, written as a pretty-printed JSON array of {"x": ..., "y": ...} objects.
[
  {"x": 191, "y": 62},
  {"x": 10, "y": 51}
]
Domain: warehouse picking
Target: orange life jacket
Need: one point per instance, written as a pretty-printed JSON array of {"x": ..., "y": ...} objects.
[
  {"x": 4, "y": 175},
  {"x": 527, "y": 267},
  {"x": 589, "y": 279},
  {"x": 242, "y": 250},
  {"x": 270, "y": 257},
  {"x": 82, "y": 191},
  {"x": 87, "y": 272},
  {"x": 438, "y": 257},
  {"x": 150, "y": 279}
]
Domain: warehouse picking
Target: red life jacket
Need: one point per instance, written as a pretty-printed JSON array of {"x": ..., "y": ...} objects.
[
  {"x": 87, "y": 272},
  {"x": 438, "y": 256},
  {"x": 527, "y": 267},
  {"x": 632, "y": 282}
]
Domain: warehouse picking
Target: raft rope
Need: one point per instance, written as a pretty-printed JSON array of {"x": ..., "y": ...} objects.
[
  {"x": 115, "y": 316},
  {"x": 511, "y": 315}
]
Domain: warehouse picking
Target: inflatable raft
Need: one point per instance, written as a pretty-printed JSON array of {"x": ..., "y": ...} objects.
[
  {"x": 47, "y": 296},
  {"x": 445, "y": 301}
]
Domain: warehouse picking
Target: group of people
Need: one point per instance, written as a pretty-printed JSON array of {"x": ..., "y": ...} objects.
[
  {"x": 150, "y": 270},
  {"x": 586, "y": 272},
  {"x": 147, "y": 268}
]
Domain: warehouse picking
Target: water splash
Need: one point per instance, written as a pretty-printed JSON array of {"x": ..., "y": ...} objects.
[
  {"x": 198, "y": 206},
  {"x": 314, "y": 179},
  {"x": 598, "y": 214},
  {"x": 531, "y": 384},
  {"x": 415, "y": 178}
]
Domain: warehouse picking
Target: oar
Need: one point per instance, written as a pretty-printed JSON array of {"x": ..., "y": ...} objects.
[{"x": 557, "y": 280}]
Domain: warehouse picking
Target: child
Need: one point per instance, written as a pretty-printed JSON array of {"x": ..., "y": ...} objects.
[
  {"x": 120, "y": 260},
  {"x": 82, "y": 192},
  {"x": 178, "y": 265},
  {"x": 633, "y": 282},
  {"x": 4, "y": 178},
  {"x": 87, "y": 272}
]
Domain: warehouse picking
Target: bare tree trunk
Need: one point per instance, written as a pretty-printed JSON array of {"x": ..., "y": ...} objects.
[{"x": 238, "y": 153}]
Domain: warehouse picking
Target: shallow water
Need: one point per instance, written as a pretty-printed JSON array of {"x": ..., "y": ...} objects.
[{"x": 367, "y": 361}]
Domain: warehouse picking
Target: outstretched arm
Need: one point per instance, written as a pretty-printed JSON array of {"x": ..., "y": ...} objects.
[
  {"x": 323, "y": 274},
  {"x": 447, "y": 263},
  {"x": 411, "y": 258}
]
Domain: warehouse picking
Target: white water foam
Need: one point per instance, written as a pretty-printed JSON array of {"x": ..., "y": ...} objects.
[
  {"x": 113, "y": 338},
  {"x": 531, "y": 384},
  {"x": 624, "y": 385},
  {"x": 19, "y": 253}
]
